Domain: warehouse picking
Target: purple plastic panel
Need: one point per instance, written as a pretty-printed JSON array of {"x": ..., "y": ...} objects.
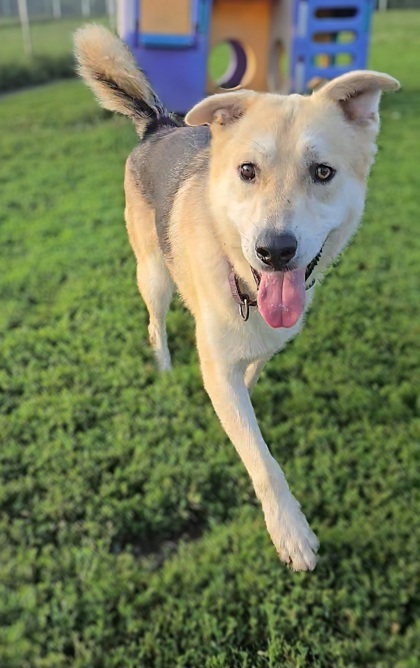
[
  {"x": 178, "y": 76},
  {"x": 177, "y": 69}
]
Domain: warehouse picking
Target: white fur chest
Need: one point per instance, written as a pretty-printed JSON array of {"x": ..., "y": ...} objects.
[{"x": 237, "y": 340}]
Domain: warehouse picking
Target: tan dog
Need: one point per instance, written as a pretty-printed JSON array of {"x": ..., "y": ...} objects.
[{"x": 247, "y": 209}]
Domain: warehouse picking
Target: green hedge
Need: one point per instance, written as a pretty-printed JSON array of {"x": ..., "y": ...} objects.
[
  {"x": 40, "y": 70},
  {"x": 52, "y": 58}
]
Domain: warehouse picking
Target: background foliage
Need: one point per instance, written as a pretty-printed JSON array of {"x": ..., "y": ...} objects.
[
  {"x": 52, "y": 47},
  {"x": 129, "y": 532}
]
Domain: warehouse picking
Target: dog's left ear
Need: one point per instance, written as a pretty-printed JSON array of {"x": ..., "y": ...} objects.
[
  {"x": 359, "y": 93},
  {"x": 221, "y": 109}
]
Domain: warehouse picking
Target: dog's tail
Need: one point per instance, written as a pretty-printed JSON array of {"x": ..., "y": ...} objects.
[{"x": 108, "y": 68}]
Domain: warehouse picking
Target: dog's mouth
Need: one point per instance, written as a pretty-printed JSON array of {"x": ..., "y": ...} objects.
[{"x": 281, "y": 294}]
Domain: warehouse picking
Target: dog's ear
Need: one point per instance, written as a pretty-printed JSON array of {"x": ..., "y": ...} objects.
[
  {"x": 221, "y": 109},
  {"x": 358, "y": 93}
]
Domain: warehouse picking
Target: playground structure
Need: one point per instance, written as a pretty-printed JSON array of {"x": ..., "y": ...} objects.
[{"x": 276, "y": 45}]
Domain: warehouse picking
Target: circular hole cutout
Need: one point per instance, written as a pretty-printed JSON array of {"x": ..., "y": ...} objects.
[{"x": 231, "y": 64}]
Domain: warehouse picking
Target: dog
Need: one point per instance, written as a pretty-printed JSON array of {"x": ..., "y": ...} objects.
[{"x": 242, "y": 206}]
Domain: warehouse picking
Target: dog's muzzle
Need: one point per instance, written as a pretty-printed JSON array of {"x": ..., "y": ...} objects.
[{"x": 243, "y": 299}]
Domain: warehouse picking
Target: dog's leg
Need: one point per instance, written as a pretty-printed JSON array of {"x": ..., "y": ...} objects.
[
  {"x": 253, "y": 372},
  {"x": 156, "y": 288},
  {"x": 295, "y": 543},
  {"x": 153, "y": 279}
]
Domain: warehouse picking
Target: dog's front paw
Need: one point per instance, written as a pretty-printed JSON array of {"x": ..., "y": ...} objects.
[{"x": 294, "y": 540}]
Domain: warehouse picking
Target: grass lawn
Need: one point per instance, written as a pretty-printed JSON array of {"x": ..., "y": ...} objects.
[{"x": 129, "y": 532}]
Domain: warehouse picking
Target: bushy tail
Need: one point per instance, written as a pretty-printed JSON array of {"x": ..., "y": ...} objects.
[{"x": 108, "y": 68}]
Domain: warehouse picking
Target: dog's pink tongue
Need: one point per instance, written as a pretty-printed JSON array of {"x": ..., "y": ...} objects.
[{"x": 281, "y": 297}]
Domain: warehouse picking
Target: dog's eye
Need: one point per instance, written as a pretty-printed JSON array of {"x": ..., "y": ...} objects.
[
  {"x": 247, "y": 171},
  {"x": 322, "y": 173}
]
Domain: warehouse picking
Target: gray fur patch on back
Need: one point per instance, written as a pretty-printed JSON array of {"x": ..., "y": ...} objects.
[{"x": 162, "y": 164}]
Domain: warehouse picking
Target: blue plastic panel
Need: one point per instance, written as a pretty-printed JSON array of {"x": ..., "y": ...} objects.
[
  {"x": 167, "y": 41},
  {"x": 307, "y": 53}
]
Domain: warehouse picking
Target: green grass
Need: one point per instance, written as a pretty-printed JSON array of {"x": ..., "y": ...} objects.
[{"x": 129, "y": 532}]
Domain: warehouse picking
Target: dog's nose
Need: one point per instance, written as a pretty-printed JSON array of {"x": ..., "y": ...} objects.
[{"x": 276, "y": 250}]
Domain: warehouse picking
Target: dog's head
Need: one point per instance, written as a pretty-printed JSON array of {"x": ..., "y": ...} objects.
[{"x": 288, "y": 179}]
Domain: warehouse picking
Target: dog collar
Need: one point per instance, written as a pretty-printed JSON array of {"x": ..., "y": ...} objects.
[{"x": 243, "y": 299}]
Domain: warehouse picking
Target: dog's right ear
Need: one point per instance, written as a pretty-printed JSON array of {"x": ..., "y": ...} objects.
[{"x": 221, "y": 109}]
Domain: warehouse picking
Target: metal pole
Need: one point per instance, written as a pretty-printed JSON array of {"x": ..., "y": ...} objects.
[
  {"x": 56, "y": 9},
  {"x": 110, "y": 10},
  {"x": 383, "y": 5},
  {"x": 26, "y": 30},
  {"x": 86, "y": 8}
]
